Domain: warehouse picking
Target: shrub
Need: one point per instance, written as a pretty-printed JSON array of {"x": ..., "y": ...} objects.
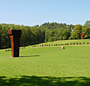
[
  {"x": 67, "y": 43},
  {"x": 34, "y": 46},
  {"x": 56, "y": 44},
  {"x": 48, "y": 44},
  {"x": 87, "y": 42},
  {"x": 83, "y": 42},
  {"x": 77, "y": 43},
  {"x": 73, "y": 43},
  {"x": 70, "y": 43},
  {"x": 80, "y": 43},
  {"x": 5, "y": 50},
  {"x": 45, "y": 45}
]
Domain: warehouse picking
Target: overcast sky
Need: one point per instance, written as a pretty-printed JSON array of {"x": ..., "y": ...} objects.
[{"x": 37, "y": 12}]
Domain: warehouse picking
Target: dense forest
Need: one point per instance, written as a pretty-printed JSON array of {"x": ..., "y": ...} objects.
[{"x": 46, "y": 32}]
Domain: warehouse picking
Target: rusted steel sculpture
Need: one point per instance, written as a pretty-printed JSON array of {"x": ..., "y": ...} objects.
[
  {"x": 15, "y": 37},
  {"x": 82, "y": 34}
]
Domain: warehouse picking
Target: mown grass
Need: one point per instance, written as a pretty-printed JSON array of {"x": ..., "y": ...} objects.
[
  {"x": 65, "y": 42},
  {"x": 46, "y": 66},
  {"x": 70, "y": 41}
]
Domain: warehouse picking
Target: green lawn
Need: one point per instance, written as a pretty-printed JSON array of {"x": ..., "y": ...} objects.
[
  {"x": 70, "y": 41},
  {"x": 46, "y": 66}
]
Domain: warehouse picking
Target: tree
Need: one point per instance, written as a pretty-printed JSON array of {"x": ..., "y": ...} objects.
[
  {"x": 60, "y": 33},
  {"x": 66, "y": 34},
  {"x": 0, "y": 36},
  {"x": 87, "y": 24},
  {"x": 38, "y": 34},
  {"x": 86, "y": 32},
  {"x": 76, "y": 32}
]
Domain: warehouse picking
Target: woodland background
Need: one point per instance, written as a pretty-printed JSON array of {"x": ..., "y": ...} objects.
[{"x": 46, "y": 32}]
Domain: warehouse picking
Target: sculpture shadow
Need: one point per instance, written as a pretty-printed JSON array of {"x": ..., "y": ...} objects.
[
  {"x": 44, "y": 81},
  {"x": 31, "y": 56}
]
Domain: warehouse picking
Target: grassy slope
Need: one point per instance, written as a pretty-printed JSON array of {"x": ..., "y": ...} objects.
[
  {"x": 69, "y": 41},
  {"x": 62, "y": 67}
]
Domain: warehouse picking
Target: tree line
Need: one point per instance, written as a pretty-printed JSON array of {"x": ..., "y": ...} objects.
[{"x": 46, "y": 32}]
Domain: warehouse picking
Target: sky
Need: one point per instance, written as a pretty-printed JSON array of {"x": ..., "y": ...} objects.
[{"x": 37, "y": 12}]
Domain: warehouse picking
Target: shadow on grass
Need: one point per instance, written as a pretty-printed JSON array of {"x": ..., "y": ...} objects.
[
  {"x": 45, "y": 81},
  {"x": 30, "y": 56},
  {"x": 85, "y": 57}
]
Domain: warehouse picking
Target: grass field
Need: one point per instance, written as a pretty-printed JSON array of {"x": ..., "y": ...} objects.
[
  {"x": 70, "y": 41},
  {"x": 65, "y": 42},
  {"x": 46, "y": 66}
]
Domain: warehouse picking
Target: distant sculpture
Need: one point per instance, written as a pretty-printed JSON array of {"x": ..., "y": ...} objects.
[
  {"x": 62, "y": 47},
  {"x": 41, "y": 45},
  {"x": 15, "y": 36},
  {"x": 82, "y": 34}
]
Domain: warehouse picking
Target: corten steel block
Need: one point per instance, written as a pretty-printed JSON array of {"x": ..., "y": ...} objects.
[
  {"x": 81, "y": 35},
  {"x": 15, "y": 37}
]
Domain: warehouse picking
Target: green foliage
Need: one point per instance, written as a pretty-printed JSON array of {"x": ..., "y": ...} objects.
[
  {"x": 66, "y": 34},
  {"x": 59, "y": 34},
  {"x": 87, "y": 24},
  {"x": 29, "y": 36},
  {"x": 46, "y": 32},
  {"x": 87, "y": 33},
  {"x": 76, "y": 32},
  {"x": 86, "y": 30}
]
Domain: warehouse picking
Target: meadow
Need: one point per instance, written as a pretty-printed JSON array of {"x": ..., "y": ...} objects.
[
  {"x": 46, "y": 66},
  {"x": 65, "y": 42}
]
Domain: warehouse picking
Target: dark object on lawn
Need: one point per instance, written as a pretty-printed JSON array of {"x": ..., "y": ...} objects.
[
  {"x": 41, "y": 45},
  {"x": 6, "y": 50},
  {"x": 15, "y": 36}
]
